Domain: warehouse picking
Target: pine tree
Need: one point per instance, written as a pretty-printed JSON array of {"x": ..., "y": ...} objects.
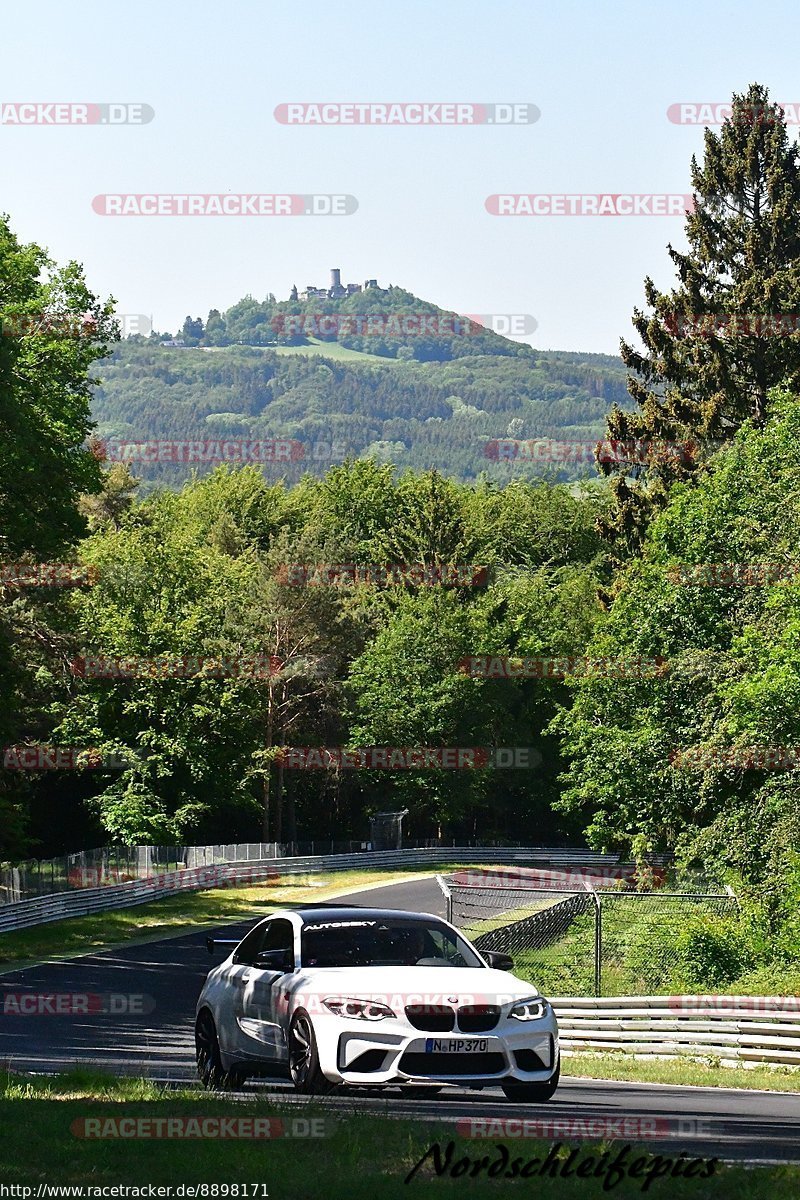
[{"x": 713, "y": 345}]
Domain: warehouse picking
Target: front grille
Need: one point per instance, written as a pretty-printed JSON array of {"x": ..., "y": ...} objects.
[
  {"x": 370, "y": 1060},
  {"x": 528, "y": 1060},
  {"x": 486, "y": 1063},
  {"x": 478, "y": 1018},
  {"x": 431, "y": 1018}
]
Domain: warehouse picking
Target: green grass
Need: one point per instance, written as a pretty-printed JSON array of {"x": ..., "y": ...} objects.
[
  {"x": 333, "y": 350},
  {"x": 705, "y": 1073},
  {"x": 182, "y": 912},
  {"x": 363, "y": 1158}
]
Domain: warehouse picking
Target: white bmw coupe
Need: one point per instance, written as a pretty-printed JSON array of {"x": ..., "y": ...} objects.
[{"x": 348, "y": 996}]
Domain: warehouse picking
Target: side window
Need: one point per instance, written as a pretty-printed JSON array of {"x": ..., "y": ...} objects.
[
  {"x": 278, "y": 943},
  {"x": 250, "y": 945},
  {"x": 279, "y": 936}
]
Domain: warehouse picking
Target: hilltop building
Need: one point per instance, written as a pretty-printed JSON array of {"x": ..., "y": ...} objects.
[{"x": 336, "y": 290}]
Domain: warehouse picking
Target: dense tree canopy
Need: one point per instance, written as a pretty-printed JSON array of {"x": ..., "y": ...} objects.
[{"x": 715, "y": 593}]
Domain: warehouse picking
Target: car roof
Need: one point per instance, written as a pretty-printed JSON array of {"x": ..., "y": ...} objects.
[{"x": 339, "y": 912}]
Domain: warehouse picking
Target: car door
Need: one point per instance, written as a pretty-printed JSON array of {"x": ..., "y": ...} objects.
[
  {"x": 260, "y": 1009},
  {"x": 230, "y": 990}
]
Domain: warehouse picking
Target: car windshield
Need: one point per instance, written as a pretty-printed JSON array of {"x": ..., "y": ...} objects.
[{"x": 382, "y": 942}]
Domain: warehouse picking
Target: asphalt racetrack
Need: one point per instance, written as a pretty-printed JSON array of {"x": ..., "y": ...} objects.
[{"x": 755, "y": 1126}]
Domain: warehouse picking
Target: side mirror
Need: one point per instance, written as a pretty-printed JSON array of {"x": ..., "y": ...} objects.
[
  {"x": 275, "y": 960},
  {"x": 500, "y": 962}
]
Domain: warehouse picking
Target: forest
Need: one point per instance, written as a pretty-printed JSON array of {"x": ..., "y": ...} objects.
[{"x": 445, "y": 415}]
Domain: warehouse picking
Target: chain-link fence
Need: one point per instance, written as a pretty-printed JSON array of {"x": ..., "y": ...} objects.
[
  {"x": 584, "y": 942},
  {"x": 639, "y": 932},
  {"x": 548, "y": 932}
]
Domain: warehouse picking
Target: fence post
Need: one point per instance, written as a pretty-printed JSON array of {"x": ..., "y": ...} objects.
[
  {"x": 598, "y": 946},
  {"x": 448, "y": 895},
  {"x": 598, "y": 939}
]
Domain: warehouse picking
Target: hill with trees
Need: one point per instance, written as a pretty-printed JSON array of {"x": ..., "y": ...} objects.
[{"x": 445, "y": 414}]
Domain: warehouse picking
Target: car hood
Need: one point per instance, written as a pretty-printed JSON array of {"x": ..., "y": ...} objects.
[{"x": 410, "y": 985}]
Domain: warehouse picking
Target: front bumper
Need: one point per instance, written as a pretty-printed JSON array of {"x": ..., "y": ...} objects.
[{"x": 526, "y": 1052}]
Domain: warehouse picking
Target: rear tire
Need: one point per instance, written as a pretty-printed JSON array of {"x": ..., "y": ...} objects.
[
  {"x": 532, "y": 1093},
  {"x": 304, "y": 1058},
  {"x": 209, "y": 1059}
]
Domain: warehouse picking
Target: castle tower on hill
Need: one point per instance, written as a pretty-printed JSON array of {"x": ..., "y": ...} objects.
[{"x": 336, "y": 290}]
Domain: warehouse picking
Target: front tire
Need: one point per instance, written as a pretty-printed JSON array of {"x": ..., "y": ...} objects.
[
  {"x": 209, "y": 1058},
  {"x": 532, "y": 1093},
  {"x": 304, "y": 1058}
]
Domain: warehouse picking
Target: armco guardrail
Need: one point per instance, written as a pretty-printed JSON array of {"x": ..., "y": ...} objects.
[
  {"x": 105, "y": 865},
  {"x": 40, "y": 910},
  {"x": 733, "y": 1029}
]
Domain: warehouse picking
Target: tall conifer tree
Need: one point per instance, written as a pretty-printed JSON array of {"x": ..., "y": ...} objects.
[{"x": 730, "y": 330}]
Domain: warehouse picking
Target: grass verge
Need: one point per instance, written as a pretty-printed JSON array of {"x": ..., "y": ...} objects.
[
  {"x": 706, "y": 1073},
  {"x": 360, "y": 1158}
]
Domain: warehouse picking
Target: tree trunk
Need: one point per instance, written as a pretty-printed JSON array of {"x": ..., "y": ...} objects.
[
  {"x": 279, "y": 805},
  {"x": 267, "y": 775},
  {"x": 291, "y": 815}
]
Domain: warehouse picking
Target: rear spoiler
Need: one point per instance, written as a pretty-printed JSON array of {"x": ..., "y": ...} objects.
[{"x": 212, "y": 943}]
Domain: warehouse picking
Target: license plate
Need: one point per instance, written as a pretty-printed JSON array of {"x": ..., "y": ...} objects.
[{"x": 456, "y": 1046}]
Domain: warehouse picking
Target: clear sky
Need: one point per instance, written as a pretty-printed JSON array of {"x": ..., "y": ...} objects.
[{"x": 602, "y": 75}]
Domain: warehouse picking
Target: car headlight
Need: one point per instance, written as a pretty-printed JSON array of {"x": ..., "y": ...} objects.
[
  {"x": 349, "y": 1006},
  {"x": 532, "y": 1009}
]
